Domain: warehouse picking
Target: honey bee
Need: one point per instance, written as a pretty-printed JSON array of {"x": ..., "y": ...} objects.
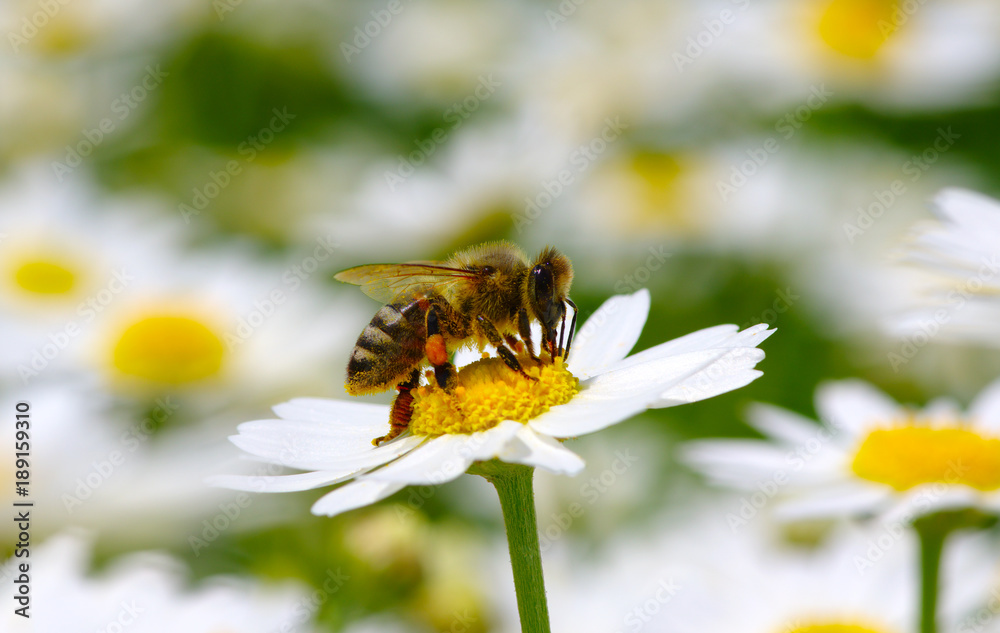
[{"x": 481, "y": 295}]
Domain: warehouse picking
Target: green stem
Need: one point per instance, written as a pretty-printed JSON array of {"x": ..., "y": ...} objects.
[
  {"x": 517, "y": 500},
  {"x": 933, "y": 529},
  {"x": 932, "y": 539}
]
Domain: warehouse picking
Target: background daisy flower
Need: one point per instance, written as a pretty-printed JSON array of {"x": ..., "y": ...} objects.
[
  {"x": 868, "y": 457},
  {"x": 957, "y": 261},
  {"x": 146, "y": 592}
]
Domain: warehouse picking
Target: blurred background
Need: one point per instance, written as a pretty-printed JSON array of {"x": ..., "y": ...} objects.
[{"x": 179, "y": 181}]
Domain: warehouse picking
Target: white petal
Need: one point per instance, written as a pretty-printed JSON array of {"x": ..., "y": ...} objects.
[
  {"x": 353, "y": 424},
  {"x": 847, "y": 499},
  {"x": 327, "y": 410},
  {"x": 584, "y": 415},
  {"x": 315, "y": 446},
  {"x": 488, "y": 444},
  {"x": 985, "y": 409},
  {"x": 439, "y": 460},
  {"x": 621, "y": 393},
  {"x": 729, "y": 372},
  {"x": 782, "y": 424},
  {"x": 854, "y": 406},
  {"x": 929, "y": 498},
  {"x": 942, "y": 411},
  {"x": 467, "y": 355},
  {"x": 280, "y": 483},
  {"x": 446, "y": 457},
  {"x": 354, "y": 495},
  {"x": 718, "y": 337},
  {"x": 609, "y": 334},
  {"x": 335, "y": 439},
  {"x": 740, "y": 463},
  {"x": 532, "y": 449},
  {"x": 971, "y": 210}
]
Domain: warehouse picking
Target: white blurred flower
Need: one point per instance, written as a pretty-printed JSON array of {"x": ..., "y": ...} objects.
[
  {"x": 432, "y": 52},
  {"x": 66, "y": 255},
  {"x": 586, "y": 62},
  {"x": 132, "y": 475},
  {"x": 870, "y": 455},
  {"x": 108, "y": 288},
  {"x": 90, "y": 27},
  {"x": 957, "y": 261},
  {"x": 885, "y": 53},
  {"x": 470, "y": 178},
  {"x": 74, "y": 73},
  {"x": 332, "y": 439},
  {"x": 145, "y": 593}
]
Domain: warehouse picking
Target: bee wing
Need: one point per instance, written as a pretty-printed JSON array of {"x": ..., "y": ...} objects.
[{"x": 389, "y": 282}]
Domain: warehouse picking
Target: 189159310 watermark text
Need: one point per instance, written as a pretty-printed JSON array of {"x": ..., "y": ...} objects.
[{"x": 22, "y": 508}]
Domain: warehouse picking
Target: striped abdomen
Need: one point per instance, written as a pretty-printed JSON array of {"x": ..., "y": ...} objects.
[{"x": 389, "y": 348}]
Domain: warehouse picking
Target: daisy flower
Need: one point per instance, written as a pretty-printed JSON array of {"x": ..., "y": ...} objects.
[
  {"x": 68, "y": 253},
  {"x": 887, "y": 54},
  {"x": 869, "y": 456},
  {"x": 146, "y": 593},
  {"x": 93, "y": 27},
  {"x": 959, "y": 267},
  {"x": 136, "y": 478},
  {"x": 505, "y": 416},
  {"x": 94, "y": 285},
  {"x": 456, "y": 43}
]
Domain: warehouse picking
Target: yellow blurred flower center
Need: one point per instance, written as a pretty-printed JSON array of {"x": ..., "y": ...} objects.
[
  {"x": 859, "y": 28},
  {"x": 487, "y": 393},
  {"x": 44, "y": 278},
  {"x": 169, "y": 349},
  {"x": 659, "y": 174},
  {"x": 909, "y": 456},
  {"x": 834, "y": 628},
  {"x": 63, "y": 35}
]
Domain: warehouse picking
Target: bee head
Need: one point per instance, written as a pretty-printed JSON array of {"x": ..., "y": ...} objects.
[{"x": 547, "y": 295}]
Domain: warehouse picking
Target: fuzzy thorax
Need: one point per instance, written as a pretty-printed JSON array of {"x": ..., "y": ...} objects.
[{"x": 488, "y": 392}]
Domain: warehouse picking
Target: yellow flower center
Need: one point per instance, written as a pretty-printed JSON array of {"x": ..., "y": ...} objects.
[
  {"x": 908, "y": 456},
  {"x": 858, "y": 28},
  {"x": 168, "y": 349},
  {"x": 44, "y": 278},
  {"x": 834, "y": 628},
  {"x": 659, "y": 174},
  {"x": 487, "y": 393}
]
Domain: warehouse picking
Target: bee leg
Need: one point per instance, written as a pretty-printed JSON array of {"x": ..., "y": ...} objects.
[
  {"x": 496, "y": 340},
  {"x": 513, "y": 343},
  {"x": 436, "y": 351},
  {"x": 572, "y": 328},
  {"x": 548, "y": 341},
  {"x": 554, "y": 314},
  {"x": 402, "y": 409},
  {"x": 524, "y": 329}
]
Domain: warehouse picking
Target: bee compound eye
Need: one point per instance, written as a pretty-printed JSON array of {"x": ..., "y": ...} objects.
[{"x": 488, "y": 270}]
